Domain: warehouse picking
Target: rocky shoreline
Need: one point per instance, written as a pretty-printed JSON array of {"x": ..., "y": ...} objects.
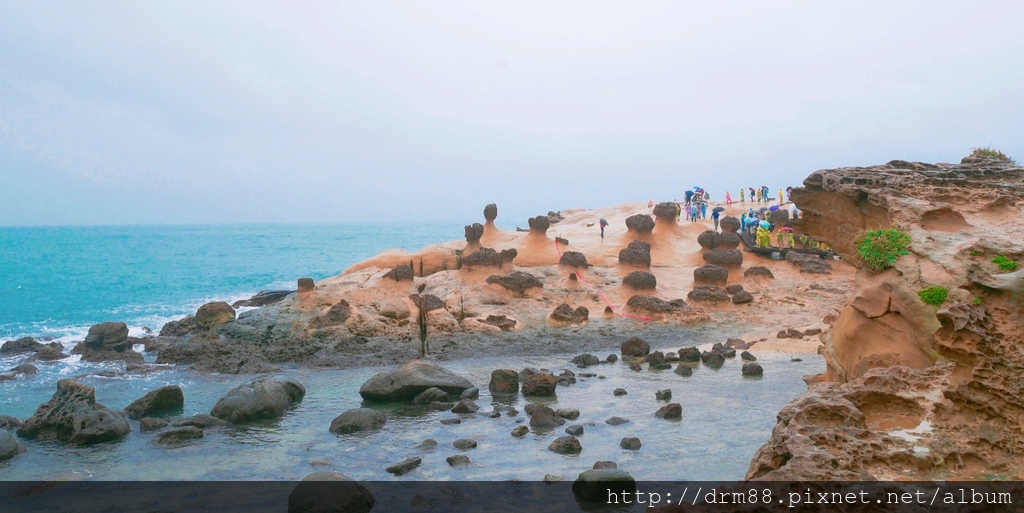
[{"x": 903, "y": 376}]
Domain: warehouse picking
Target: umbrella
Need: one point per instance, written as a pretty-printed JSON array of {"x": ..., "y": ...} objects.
[
  {"x": 786, "y": 229},
  {"x": 773, "y": 208},
  {"x": 763, "y": 209},
  {"x": 718, "y": 209},
  {"x": 696, "y": 188},
  {"x": 765, "y": 224}
]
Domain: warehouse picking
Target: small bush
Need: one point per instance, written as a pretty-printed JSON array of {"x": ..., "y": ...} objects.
[
  {"x": 933, "y": 295},
  {"x": 991, "y": 153},
  {"x": 1005, "y": 263},
  {"x": 880, "y": 248},
  {"x": 975, "y": 252},
  {"x": 977, "y": 300}
]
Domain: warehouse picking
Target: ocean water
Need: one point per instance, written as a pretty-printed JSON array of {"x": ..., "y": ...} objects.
[{"x": 55, "y": 282}]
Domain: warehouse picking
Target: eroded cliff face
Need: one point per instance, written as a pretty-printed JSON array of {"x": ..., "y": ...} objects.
[{"x": 911, "y": 389}]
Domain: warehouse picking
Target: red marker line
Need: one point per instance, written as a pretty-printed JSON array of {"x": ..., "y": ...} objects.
[{"x": 600, "y": 294}]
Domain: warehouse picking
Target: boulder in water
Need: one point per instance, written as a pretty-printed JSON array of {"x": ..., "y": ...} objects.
[
  {"x": 411, "y": 379},
  {"x": 263, "y": 398},
  {"x": 72, "y": 415},
  {"x": 163, "y": 401}
]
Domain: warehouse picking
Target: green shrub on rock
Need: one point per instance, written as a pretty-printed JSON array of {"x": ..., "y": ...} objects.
[
  {"x": 933, "y": 295},
  {"x": 880, "y": 248},
  {"x": 1005, "y": 263}
]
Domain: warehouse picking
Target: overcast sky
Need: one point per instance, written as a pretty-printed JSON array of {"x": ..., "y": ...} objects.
[{"x": 184, "y": 112}]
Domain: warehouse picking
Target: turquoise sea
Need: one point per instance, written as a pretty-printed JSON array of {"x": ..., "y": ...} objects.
[{"x": 55, "y": 282}]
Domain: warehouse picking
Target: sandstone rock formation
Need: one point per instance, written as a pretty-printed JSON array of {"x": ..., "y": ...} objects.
[
  {"x": 637, "y": 253},
  {"x": 539, "y": 225},
  {"x": 913, "y": 389},
  {"x": 666, "y": 211}
]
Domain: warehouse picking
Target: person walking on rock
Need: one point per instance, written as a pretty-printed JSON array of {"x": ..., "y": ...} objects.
[
  {"x": 728, "y": 198},
  {"x": 603, "y": 223},
  {"x": 742, "y": 199},
  {"x": 714, "y": 217}
]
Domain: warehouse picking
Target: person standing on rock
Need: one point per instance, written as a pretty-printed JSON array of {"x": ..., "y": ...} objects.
[
  {"x": 703, "y": 210},
  {"x": 742, "y": 199},
  {"x": 728, "y": 198},
  {"x": 603, "y": 223},
  {"x": 714, "y": 217}
]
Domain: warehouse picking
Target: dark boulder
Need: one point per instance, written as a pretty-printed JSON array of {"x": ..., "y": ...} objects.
[
  {"x": 22, "y": 345},
  {"x": 543, "y": 417},
  {"x": 466, "y": 406},
  {"x": 689, "y": 354},
  {"x": 709, "y": 239},
  {"x": 566, "y": 445},
  {"x": 708, "y": 293},
  {"x": 742, "y": 297},
  {"x": 166, "y": 400},
  {"x": 110, "y": 336},
  {"x": 724, "y": 257},
  {"x": 663, "y": 395},
  {"x": 504, "y": 381},
  {"x": 713, "y": 359},
  {"x": 565, "y": 314},
  {"x": 711, "y": 274},
  {"x": 72, "y": 415},
  {"x": 654, "y": 305},
  {"x": 410, "y": 380},
  {"x": 49, "y": 354},
  {"x": 752, "y": 369},
  {"x": 518, "y": 282},
  {"x": 605, "y": 464},
  {"x": 306, "y": 285},
  {"x": 108, "y": 341},
  {"x": 807, "y": 333},
  {"x": 635, "y": 347},
  {"x": 655, "y": 358},
  {"x": 401, "y": 272},
  {"x": 809, "y": 263},
  {"x": 539, "y": 225},
  {"x": 464, "y": 444},
  {"x": 405, "y": 466},
  {"x": 263, "y": 398},
  {"x": 666, "y": 211},
  {"x": 630, "y": 443},
  {"x": 574, "y": 430},
  {"x": 640, "y": 223},
  {"x": 734, "y": 288},
  {"x": 329, "y": 492},
  {"x": 637, "y": 253},
  {"x": 586, "y": 360},
  {"x": 458, "y": 460},
  {"x": 747, "y": 357},
  {"x": 758, "y": 270},
  {"x": 490, "y": 212},
  {"x": 474, "y": 232},
  {"x": 211, "y": 315},
  {"x": 573, "y": 259},
  {"x": 684, "y": 370},
  {"x": 9, "y": 446},
  {"x": 616, "y": 421},
  {"x": 641, "y": 280},
  {"x": 263, "y": 298},
  {"x": 520, "y": 431},
  {"x": 487, "y": 257},
  {"x": 358, "y": 419},
  {"x": 540, "y": 384},
  {"x": 596, "y": 485},
  {"x": 729, "y": 224},
  {"x": 670, "y": 412}
]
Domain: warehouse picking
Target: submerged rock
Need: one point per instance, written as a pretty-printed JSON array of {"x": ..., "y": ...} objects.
[{"x": 358, "y": 419}]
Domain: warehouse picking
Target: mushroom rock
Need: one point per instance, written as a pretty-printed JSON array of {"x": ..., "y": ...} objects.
[
  {"x": 640, "y": 223},
  {"x": 539, "y": 225},
  {"x": 490, "y": 212},
  {"x": 666, "y": 211}
]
